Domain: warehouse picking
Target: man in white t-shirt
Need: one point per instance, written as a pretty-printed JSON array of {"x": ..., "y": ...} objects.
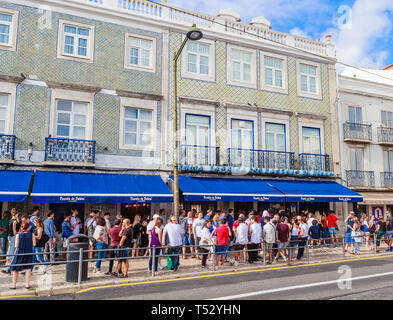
[
  {"x": 175, "y": 234},
  {"x": 241, "y": 241},
  {"x": 255, "y": 239},
  {"x": 197, "y": 230}
]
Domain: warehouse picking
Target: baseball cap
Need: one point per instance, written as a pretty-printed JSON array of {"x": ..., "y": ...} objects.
[{"x": 156, "y": 216}]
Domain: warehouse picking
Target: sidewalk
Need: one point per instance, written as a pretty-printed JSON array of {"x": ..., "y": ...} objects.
[{"x": 53, "y": 283}]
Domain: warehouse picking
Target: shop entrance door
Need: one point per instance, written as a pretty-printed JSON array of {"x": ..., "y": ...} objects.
[
  {"x": 62, "y": 209},
  {"x": 130, "y": 210}
]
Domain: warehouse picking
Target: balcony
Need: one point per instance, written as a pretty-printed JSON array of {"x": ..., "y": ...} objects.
[
  {"x": 361, "y": 179},
  {"x": 387, "y": 179},
  {"x": 192, "y": 155},
  {"x": 357, "y": 132},
  {"x": 314, "y": 162},
  {"x": 59, "y": 151},
  {"x": 262, "y": 159},
  {"x": 7, "y": 148},
  {"x": 385, "y": 135}
]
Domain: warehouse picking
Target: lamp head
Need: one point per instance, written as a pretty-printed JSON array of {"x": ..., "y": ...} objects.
[{"x": 194, "y": 33}]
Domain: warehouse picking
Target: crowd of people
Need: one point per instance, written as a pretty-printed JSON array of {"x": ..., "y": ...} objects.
[{"x": 192, "y": 234}]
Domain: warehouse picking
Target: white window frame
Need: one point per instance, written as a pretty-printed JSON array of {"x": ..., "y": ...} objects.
[
  {"x": 11, "y": 45},
  {"x": 75, "y": 96},
  {"x": 365, "y": 156},
  {"x": 240, "y": 114},
  {"x": 140, "y": 104},
  {"x": 71, "y": 124},
  {"x": 383, "y": 124},
  {"x": 212, "y": 62},
  {"x": 153, "y": 53},
  {"x": 282, "y": 119},
  {"x": 249, "y": 84},
  {"x": 267, "y": 87},
  {"x": 311, "y": 123},
  {"x": 9, "y": 89},
  {"x": 198, "y": 109},
  {"x": 383, "y": 157},
  {"x": 61, "y": 39},
  {"x": 300, "y": 93}
]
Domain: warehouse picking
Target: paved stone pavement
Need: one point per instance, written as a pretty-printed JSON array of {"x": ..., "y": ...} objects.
[{"x": 54, "y": 281}]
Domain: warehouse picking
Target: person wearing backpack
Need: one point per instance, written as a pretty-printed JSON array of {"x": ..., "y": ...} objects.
[
  {"x": 41, "y": 238},
  {"x": 90, "y": 228},
  {"x": 66, "y": 229}
]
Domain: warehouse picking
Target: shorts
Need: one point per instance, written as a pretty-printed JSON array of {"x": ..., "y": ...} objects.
[
  {"x": 188, "y": 240},
  {"x": 349, "y": 238},
  {"x": 65, "y": 242},
  {"x": 124, "y": 253},
  {"x": 388, "y": 234},
  {"x": 282, "y": 245},
  {"x": 197, "y": 240},
  {"x": 238, "y": 246},
  {"x": 268, "y": 246},
  {"x": 332, "y": 231},
  {"x": 220, "y": 251}
]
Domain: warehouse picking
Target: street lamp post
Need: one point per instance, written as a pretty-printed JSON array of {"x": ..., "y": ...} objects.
[{"x": 193, "y": 34}]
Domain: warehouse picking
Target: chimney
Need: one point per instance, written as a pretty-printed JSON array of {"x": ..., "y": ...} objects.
[{"x": 261, "y": 22}]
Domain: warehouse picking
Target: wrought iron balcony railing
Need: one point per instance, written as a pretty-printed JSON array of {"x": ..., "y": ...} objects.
[
  {"x": 199, "y": 155},
  {"x": 263, "y": 159},
  {"x": 7, "y": 147},
  {"x": 357, "y": 178},
  {"x": 314, "y": 162},
  {"x": 387, "y": 179},
  {"x": 357, "y": 131},
  {"x": 70, "y": 150},
  {"x": 385, "y": 135}
]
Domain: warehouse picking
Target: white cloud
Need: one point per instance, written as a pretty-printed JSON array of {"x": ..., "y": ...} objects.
[
  {"x": 370, "y": 23},
  {"x": 299, "y": 32}
]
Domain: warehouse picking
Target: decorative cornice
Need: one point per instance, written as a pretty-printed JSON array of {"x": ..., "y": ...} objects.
[
  {"x": 13, "y": 79},
  {"x": 72, "y": 86},
  {"x": 310, "y": 115},
  {"x": 138, "y": 95},
  {"x": 276, "y": 111},
  {"x": 193, "y": 100}
]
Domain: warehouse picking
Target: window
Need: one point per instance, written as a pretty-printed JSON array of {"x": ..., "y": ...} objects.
[
  {"x": 308, "y": 80},
  {"x": 273, "y": 72},
  {"x": 388, "y": 160},
  {"x": 356, "y": 159},
  {"x": 242, "y": 66},
  {"x": 311, "y": 140},
  {"x": 3, "y": 112},
  {"x": 387, "y": 118},
  {"x": 138, "y": 127},
  {"x": 275, "y": 137},
  {"x": 355, "y": 114},
  {"x": 198, "y": 58},
  {"x": 197, "y": 130},
  {"x": 242, "y": 133},
  {"x": 76, "y": 41},
  {"x": 140, "y": 52},
  {"x": 8, "y": 29},
  {"x": 71, "y": 119}
]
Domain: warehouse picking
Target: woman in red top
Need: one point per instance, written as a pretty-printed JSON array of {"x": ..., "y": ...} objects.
[{"x": 325, "y": 228}]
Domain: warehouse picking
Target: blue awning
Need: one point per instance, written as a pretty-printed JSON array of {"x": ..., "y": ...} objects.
[
  {"x": 14, "y": 185},
  {"x": 228, "y": 189},
  {"x": 315, "y": 191},
  {"x": 66, "y": 187}
]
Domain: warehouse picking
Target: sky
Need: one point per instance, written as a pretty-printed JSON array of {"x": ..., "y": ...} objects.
[{"x": 362, "y": 30}]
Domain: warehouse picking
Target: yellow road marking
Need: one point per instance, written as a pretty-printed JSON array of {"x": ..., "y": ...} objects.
[{"x": 230, "y": 273}]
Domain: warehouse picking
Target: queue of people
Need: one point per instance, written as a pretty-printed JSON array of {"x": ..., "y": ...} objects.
[{"x": 191, "y": 235}]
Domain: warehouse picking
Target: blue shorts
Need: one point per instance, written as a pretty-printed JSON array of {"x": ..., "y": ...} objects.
[
  {"x": 332, "y": 231},
  {"x": 188, "y": 240},
  {"x": 124, "y": 253},
  {"x": 220, "y": 250},
  {"x": 349, "y": 238},
  {"x": 388, "y": 234}
]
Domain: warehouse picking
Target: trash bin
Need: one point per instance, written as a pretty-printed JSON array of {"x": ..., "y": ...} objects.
[{"x": 72, "y": 269}]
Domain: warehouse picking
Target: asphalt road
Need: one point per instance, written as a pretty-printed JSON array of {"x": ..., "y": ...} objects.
[{"x": 368, "y": 279}]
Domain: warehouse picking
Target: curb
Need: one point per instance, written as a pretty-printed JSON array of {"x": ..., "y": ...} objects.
[{"x": 74, "y": 288}]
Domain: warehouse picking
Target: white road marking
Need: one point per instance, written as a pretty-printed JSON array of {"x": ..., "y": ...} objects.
[{"x": 316, "y": 284}]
